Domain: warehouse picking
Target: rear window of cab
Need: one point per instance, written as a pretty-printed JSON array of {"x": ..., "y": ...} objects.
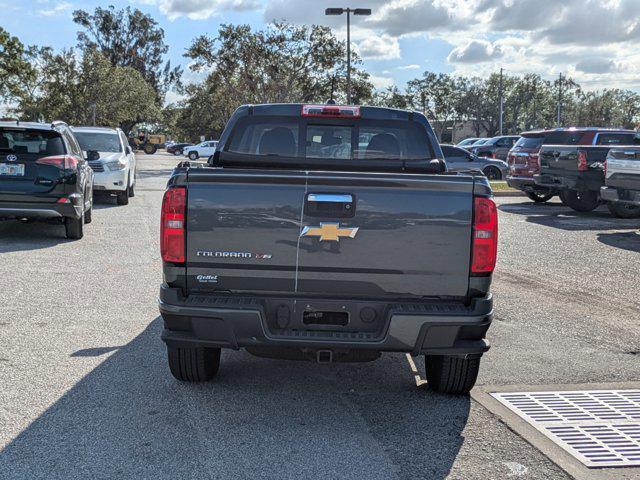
[
  {"x": 40, "y": 142},
  {"x": 329, "y": 139}
]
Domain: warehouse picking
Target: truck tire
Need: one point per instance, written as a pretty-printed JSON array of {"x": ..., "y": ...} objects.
[
  {"x": 492, "y": 173},
  {"x": 624, "y": 210},
  {"x": 539, "y": 196},
  {"x": 581, "y": 200},
  {"x": 74, "y": 227},
  {"x": 150, "y": 149},
  {"x": 197, "y": 364},
  {"x": 452, "y": 375}
]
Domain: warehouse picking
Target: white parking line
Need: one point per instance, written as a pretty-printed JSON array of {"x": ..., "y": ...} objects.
[{"x": 416, "y": 374}]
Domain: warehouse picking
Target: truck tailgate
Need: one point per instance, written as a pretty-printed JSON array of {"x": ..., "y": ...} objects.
[
  {"x": 344, "y": 234},
  {"x": 413, "y": 235}
]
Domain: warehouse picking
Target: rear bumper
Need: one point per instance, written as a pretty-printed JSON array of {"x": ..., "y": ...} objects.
[
  {"x": 525, "y": 184},
  {"x": 619, "y": 195},
  {"x": 42, "y": 211},
  {"x": 239, "y": 322},
  {"x": 558, "y": 182}
]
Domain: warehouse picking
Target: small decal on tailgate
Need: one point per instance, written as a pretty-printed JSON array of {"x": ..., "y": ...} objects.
[{"x": 257, "y": 256}]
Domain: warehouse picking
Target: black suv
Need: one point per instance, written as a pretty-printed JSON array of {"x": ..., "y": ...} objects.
[
  {"x": 497, "y": 147},
  {"x": 44, "y": 175}
]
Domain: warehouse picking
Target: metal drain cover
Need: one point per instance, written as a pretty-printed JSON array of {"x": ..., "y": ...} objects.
[{"x": 601, "y": 428}]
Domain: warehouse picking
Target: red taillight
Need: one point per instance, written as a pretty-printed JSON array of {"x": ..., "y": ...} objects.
[
  {"x": 172, "y": 227},
  {"x": 485, "y": 236},
  {"x": 333, "y": 111},
  {"x": 582, "y": 161},
  {"x": 63, "y": 162}
]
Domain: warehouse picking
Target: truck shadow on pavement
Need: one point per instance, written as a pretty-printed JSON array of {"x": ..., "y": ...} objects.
[
  {"x": 624, "y": 240},
  {"x": 556, "y": 215},
  {"x": 128, "y": 418}
]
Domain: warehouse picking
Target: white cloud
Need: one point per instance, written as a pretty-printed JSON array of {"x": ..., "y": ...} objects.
[
  {"x": 475, "y": 51},
  {"x": 381, "y": 82},
  {"x": 203, "y": 9},
  {"x": 596, "y": 65},
  {"x": 401, "y": 17},
  {"x": 59, "y": 9},
  {"x": 409, "y": 67},
  {"x": 383, "y": 47}
]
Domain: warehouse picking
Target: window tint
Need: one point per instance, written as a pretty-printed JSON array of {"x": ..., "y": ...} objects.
[
  {"x": 258, "y": 136},
  {"x": 363, "y": 139},
  {"x": 31, "y": 141},
  {"x": 453, "y": 154},
  {"x": 328, "y": 141},
  {"x": 392, "y": 140},
  {"x": 563, "y": 138},
  {"x": 100, "y": 142},
  {"x": 530, "y": 141},
  {"x": 617, "y": 139}
]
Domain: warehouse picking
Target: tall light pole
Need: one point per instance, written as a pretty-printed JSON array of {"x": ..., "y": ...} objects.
[
  {"x": 501, "y": 98},
  {"x": 348, "y": 11}
]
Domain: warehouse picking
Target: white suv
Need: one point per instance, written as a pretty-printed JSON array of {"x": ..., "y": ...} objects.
[
  {"x": 112, "y": 160},
  {"x": 204, "y": 149}
]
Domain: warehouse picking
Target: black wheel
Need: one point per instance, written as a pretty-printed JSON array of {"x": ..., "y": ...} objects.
[
  {"x": 74, "y": 227},
  {"x": 539, "y": 196},
  {"x": 177, "y": 153},
  {"x": 624, "y": 210},
  {"x": 122, "y": 198},
  {"x": 193, "y": 155},
  {"x": 581, "y": 200},
  {"x": 88, "y": 214},
  {"x": 150, "y": 149},
  {"x": 193, "y": 364},
  {"x": 453, "y": 375},
  {"x": 132, "y": 189},
  {"x": 492, "y": 173}
]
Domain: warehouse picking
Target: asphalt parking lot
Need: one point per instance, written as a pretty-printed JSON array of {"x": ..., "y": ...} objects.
[{"x": 86, "y": 392}]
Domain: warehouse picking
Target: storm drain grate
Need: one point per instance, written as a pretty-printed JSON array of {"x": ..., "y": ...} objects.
[{"x": 601, "y": 428}]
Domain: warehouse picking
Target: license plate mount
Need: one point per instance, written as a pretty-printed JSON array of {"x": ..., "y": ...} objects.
[{"x": 12, "y": 169}]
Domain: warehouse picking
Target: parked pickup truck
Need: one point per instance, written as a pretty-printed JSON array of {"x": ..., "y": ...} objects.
[
  {"x": 622, "y": 182},
  {"x": 328, "y": 233},
  {"x": 577, "y": 172}
]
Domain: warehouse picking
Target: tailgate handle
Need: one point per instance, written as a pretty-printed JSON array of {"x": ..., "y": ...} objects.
[
  {"x": 329, "y": 198},
  {"x": 333, "y": 205}
]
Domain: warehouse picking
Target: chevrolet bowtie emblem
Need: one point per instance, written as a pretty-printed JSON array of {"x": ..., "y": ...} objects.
[{"x": 329, "y": 231}]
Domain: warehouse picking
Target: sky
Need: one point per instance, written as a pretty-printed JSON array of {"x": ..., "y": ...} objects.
[{"x": 593, "y": 41}]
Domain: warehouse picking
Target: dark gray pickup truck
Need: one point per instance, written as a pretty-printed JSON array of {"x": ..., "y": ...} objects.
[
  {"x": 327, "y": 233},
  {"x": 577, "y": 171}
]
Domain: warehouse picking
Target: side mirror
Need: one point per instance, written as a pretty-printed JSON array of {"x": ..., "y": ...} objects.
[
  {"x": 129, "y": 150},
  {"x": 92, "y": 155}
]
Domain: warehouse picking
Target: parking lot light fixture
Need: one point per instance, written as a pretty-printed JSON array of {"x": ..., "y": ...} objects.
[{"x": 348, "y": 11}]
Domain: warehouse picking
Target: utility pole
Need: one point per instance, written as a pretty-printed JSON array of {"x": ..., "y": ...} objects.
[
  {"x": 501, "y": 98},
  {"x": 559, "y": 101},
  {"x": 348, "y": 11}
]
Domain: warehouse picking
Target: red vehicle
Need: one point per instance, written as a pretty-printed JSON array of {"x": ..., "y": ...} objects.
[{"x": 524, "y": 159}]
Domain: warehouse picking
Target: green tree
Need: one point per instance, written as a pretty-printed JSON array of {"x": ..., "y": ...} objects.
[
  {"x": 282, "y": 63},
  {"x": 67, "y": 88},
  {"x": 129, "y": 38},
  {"x": 13, "y": 61}
]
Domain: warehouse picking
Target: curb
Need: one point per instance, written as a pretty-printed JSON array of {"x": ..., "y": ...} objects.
[{"x": 517, "y": 193}]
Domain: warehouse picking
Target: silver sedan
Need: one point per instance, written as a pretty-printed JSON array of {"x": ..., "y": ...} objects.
[{"x": 458, "y": 160}]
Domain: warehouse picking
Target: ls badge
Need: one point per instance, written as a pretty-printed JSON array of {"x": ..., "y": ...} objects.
[{"x": 329, "y": 231}]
